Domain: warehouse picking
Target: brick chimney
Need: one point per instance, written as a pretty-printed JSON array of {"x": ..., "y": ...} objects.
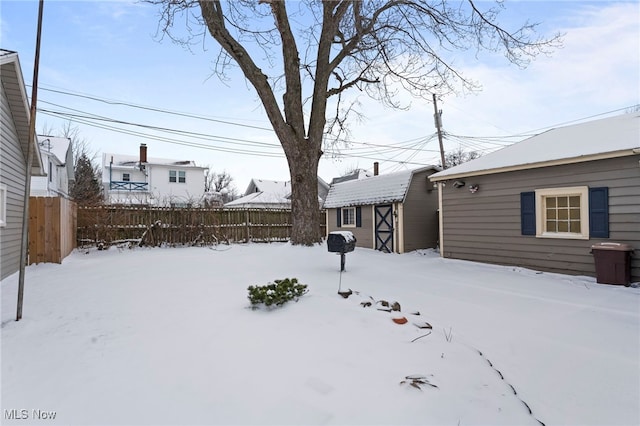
[
  {"x": 376, "y": 166},
  {"x": 143, "y": 153}
]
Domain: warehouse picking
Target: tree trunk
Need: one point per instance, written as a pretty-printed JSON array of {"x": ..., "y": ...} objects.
[{"x": 305, "y": 207}]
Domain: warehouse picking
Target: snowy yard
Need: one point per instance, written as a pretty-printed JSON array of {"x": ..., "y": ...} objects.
[{"x": 166, "y": 336}]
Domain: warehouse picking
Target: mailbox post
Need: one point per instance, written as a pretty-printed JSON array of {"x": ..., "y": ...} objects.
[{"x": 341, "y": 242}]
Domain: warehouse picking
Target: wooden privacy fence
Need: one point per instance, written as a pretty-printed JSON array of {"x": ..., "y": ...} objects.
[
  {"x": 52, "y": 229},
  {"x": 181, "y": 226}
]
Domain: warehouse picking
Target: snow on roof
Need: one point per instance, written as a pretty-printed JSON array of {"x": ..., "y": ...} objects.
[
  {"x": 387, "y": 188},
  {"x": 356, "y": 174},
  {"x": 579, "y": 142},
  {"x": 279, "y": 188},
  {"x": 55, "y": 146},
  {"x": 260, "y": 199},
  {"x": 133, "y": 160}
]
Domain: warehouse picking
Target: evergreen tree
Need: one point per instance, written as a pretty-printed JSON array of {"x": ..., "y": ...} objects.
[{"x": 86, "y": 189}]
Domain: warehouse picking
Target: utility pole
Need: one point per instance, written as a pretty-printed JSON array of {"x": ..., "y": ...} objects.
[
  {"x": 27, "y": 180},
  {"x": 438, "y": 122}
]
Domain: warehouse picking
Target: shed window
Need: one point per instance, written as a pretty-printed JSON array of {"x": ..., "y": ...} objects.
[
  {"x": 126, "y": 177},
  {"x": 3, "y": 205},
  {"x": 349, "y": 217}
]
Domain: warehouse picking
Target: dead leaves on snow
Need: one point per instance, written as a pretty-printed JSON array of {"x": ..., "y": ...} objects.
[{"x": 417, "y": 381}]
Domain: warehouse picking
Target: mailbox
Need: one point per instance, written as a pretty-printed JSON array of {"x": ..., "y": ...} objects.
[{"x": 341, "y": 242}]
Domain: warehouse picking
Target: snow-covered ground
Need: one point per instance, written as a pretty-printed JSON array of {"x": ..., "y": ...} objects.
[{"x": 166, "y": 336}]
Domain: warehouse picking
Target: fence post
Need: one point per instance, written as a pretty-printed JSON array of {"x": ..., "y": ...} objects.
[{"x": 246, "y": 221}]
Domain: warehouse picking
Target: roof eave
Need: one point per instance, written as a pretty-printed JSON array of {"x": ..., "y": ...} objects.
[{"x": 573, "y": 160}]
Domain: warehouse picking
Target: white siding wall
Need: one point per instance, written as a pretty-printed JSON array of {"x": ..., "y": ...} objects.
[
  {"x": 55, "y": 183},
  {"x": 164, "y": 191}
]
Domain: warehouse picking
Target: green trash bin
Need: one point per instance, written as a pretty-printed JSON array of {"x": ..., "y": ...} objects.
[{"x": 613, "y": 263}]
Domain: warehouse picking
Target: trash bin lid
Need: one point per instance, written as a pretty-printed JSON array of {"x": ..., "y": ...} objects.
[{"x": 612, "y": 246}]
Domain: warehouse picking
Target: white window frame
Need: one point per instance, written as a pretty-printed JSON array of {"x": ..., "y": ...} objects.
[
  {"x": 3, "y": 205},
  {"x": 345, "y": 215},
  {"x": 179, "y": 176},
  {"x": 126, "y": 177},
  {"x": 541, "y": 212}
]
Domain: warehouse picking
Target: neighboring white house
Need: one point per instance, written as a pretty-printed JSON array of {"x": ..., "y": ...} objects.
[
  {"x": 57, "y": 157},
  {"x": 151, "y": 181},
  {"x": 272, "y": 194}
]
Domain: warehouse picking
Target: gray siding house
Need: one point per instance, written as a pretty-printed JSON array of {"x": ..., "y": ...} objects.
[
  {"x": 394, "y": 213},
  {"x": 14, "y": 143},
  {"x": 543, "y": 202}
]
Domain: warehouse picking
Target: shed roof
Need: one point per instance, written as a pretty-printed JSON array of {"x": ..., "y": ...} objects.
[
  {"x": 604, "y": 138},
  {"x": 389, "y": 188}
]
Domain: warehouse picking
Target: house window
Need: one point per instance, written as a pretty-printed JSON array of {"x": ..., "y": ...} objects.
[
  {"x": 562, "y": 212},
  {"x": 179, "y": 176},
  {"x": 3, "y": 205},
  {"x": 126, "y": 177},
  {"x": 50, "y": 171}
]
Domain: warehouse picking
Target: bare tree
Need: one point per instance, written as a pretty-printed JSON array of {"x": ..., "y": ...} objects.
[
  {"x": 220, "y": 183},
  {"x": 458, "y": 156},
  {"x": 319, "y": 50}
]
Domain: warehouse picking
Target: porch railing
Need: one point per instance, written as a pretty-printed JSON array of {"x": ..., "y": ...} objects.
[{"x": 121, "y": 185}]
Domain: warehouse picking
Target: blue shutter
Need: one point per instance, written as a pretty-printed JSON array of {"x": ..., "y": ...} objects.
[
  {"x": 599, "y": 212},
  {"x": 528, "y": 213},
  {"x": 339, "y": 215},
  {"x": 358, "y": 217}
]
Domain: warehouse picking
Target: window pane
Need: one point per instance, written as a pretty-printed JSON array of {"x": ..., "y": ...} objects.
[
  {"x": 551, "y": 214},
  {"x": 551, "y": 226},
  {"x": 575, "y": 226},
  {"x": 574, "y": 201},
  {"x": 348, "y": 216},
  {"x": 563, "y": 201},
  {"x": 563, "y": 227},
  {"x": 563, "y": 214},
  {"x": 574, "y": 214},
  {"x": 551, "y": 202}
]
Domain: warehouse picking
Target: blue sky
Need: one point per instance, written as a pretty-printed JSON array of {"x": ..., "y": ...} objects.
[{"x": 111, "y": 51}]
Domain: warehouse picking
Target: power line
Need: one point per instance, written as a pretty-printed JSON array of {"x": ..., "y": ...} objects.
[
  {"x": 155, "y": 109},
  {"x": 366, "y": 150}
]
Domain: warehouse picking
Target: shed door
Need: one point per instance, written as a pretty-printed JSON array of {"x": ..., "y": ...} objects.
[{"x": 384, "y": 227}]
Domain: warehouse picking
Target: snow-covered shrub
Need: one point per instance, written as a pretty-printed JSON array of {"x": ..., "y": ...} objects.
[{"x": 277, "y": 293}]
